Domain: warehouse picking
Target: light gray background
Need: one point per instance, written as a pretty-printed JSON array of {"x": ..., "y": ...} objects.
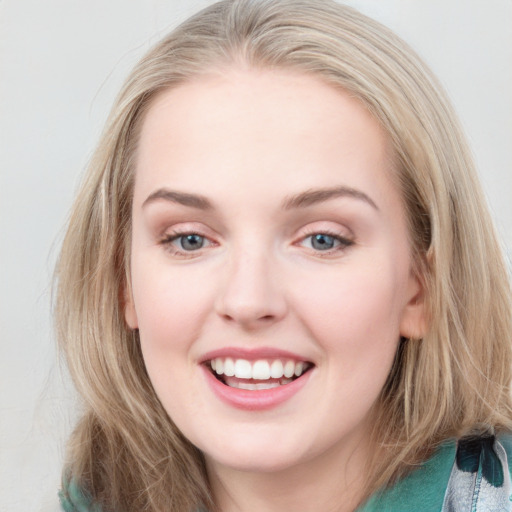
[{"x": 61, "y": 63}]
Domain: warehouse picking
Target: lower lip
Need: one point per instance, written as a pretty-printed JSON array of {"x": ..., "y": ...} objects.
[{"x": 257, "y": 400}]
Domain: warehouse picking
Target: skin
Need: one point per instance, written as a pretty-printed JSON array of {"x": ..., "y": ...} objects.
[{"x": 247, "y": 141}]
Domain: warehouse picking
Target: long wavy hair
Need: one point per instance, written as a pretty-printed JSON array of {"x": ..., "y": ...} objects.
[{"x": 126, "y": 452}]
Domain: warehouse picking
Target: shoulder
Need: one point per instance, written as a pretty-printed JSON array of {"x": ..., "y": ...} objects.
[{"x": 471, "y": 475}]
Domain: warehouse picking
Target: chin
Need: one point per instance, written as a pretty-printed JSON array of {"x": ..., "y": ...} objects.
[
  {"x": 267, "y": 454},
  {"x": 254, "y": 462}
]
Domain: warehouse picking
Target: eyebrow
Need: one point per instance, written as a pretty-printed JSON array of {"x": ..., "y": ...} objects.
[
  {"x": 183, "y": 198},
  {"x": 315, "y": 196},
  {"x": 302, "y": 200}
]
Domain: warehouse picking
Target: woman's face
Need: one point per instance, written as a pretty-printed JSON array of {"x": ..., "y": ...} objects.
[{"x": 269, "y": 239}]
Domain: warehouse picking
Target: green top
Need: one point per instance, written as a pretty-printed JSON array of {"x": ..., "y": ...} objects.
[
  {"x": 424, "y": 487},
  {"x": 473, "y": 475}
]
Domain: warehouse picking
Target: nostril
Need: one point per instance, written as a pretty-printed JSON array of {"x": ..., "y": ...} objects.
[
  {"x": 250, "y": 297},
  {"x": 250, "y": 317}
]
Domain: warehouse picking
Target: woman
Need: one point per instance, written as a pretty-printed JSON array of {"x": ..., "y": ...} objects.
[{"x": 280, "y": 287}]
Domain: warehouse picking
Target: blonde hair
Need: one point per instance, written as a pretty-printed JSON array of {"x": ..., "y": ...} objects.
[{"x": 126, "y": 452}]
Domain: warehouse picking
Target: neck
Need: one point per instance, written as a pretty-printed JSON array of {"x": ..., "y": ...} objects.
[{"x": 332, "y": 482}]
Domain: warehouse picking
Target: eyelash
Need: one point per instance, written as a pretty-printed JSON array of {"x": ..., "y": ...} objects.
[
  {"x": 343, "y": 242},
  {"x": 170, "y": 238}
]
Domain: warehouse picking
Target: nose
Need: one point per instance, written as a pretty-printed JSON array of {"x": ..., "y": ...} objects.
[{"x": 251, "y": 296}]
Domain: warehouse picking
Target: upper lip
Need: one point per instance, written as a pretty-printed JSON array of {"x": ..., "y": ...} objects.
[{"x": 252, "y": 354}]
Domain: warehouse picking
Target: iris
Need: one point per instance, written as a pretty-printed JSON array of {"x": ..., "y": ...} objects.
[{"x": 322, "y": 242}]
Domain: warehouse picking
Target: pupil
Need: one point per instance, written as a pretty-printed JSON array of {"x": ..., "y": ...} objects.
[
  {"x": 191, "y": 242},
  {"x": 322, "y": 242}
]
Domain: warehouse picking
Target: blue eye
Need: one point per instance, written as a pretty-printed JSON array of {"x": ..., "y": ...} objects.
[
  {"x": 186, "y": 244},
  {"x": 191, "y": 242},
  {"x": 323, "y": 242}
]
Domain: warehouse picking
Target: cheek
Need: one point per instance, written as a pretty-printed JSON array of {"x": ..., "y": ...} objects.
[
  {"x": 356, "y": 310},
  {"x": 169, "y": 306}
]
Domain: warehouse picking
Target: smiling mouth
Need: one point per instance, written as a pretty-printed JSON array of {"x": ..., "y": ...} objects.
[{"x": 257, "y": 375}]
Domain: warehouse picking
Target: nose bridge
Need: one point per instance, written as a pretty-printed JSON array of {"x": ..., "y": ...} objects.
[{"x": 251, "y": 294}]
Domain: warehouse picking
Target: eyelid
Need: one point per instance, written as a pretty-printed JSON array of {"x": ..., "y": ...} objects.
[
  {"x": 182, "y": 228},
  {"x": 332, "y": 228}
]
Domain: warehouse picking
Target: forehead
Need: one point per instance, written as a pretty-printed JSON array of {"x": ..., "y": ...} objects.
[{"x": 260, "y": 126}]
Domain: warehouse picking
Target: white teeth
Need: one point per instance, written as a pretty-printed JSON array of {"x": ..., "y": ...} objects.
[
  {"x": 252, "y": 386},
  {"x": 229, "y": 367},
  {"x": 276, "y": 369},
  {"x": 243, "y": 369},
  {"x": 261, "y": 369},
  {"x": 258, "y": 386},
  {"x": 289, "y": 369}
]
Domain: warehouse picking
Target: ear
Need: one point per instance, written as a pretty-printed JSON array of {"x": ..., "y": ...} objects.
[
  {"x": 414, "y": 323},
  {"x": 130, "y": 315}
]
